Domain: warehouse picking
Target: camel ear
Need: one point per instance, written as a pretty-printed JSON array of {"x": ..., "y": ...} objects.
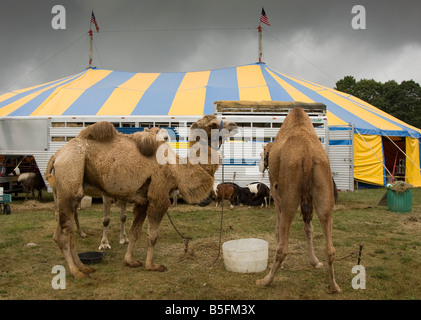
[{"x": 194, "y": 126}]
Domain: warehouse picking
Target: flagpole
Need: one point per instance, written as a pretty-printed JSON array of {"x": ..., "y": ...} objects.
[
  {"x": 259, "y": 48},
  {"x": 91, "y": 36},
  {"x": 264, "y": 19},
  {"x": 90, "y": 47}
]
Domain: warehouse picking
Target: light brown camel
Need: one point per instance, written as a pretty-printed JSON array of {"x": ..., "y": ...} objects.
[
  {"x": 300, "y": 175},
  {"x": 128, "y": 168},
  {"x": 161, "y": 135}
]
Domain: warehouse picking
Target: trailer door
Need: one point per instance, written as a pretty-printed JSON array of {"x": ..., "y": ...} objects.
[{"x": 341, "y": 155}]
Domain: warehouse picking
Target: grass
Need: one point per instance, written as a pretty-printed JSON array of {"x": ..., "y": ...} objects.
[{"x": 391, "y": 254}]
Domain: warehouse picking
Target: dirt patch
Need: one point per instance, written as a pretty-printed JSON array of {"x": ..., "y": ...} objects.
[{"x": 32, "y": 205}]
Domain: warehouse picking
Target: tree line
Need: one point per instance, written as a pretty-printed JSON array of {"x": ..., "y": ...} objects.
[{"x": 402, "y": 101}]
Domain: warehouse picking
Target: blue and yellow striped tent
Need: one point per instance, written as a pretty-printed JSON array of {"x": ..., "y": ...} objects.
[{"x": 99, "y": 92}]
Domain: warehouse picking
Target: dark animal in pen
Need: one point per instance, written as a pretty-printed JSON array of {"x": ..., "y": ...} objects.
[
  {"x": 260, "y": 194},
  {"x": 226, "y": 191},
  {"x": 31, "y": 181}
]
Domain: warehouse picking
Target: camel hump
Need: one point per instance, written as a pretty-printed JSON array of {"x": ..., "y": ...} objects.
[
  {"x": 102, "y": 131},
  {"x": 146, "y": 142},
  {"x": 306, "y": 194}
]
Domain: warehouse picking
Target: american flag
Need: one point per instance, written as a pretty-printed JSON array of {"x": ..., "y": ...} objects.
[
  {"x": 93, "y": 20},
  {"x": 264, "y": 18}
]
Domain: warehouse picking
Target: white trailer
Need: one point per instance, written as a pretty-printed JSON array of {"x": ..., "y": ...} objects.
[{"x": 41, "y": 137}]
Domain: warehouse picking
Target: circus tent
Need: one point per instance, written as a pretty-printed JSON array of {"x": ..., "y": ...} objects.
[{"x": 380, "y": 140}]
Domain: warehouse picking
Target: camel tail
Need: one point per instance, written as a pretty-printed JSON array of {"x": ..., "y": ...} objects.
[
  {"x": 102, "y": 131},
  {"x": 306, "y": 194},
  {"x": 48, "y": 172},
  {"x": 335, "y": 191}
]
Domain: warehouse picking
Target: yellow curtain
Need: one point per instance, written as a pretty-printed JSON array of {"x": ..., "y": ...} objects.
[
  {"x": 412, "y": 168},
  {"x": 368, "y": 159}
]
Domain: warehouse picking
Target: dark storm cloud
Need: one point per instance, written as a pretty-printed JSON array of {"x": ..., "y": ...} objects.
[{"x": 313, "y": 40}]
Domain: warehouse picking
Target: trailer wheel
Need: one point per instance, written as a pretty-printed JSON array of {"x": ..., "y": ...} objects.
[{"x": 7, "y": 209}]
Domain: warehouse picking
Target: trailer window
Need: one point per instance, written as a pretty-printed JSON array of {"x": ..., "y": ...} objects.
[
  {"x": 162, "y": 124},
  {"x": 261, "y": 124},
  {"x": 128, "y": 124}
]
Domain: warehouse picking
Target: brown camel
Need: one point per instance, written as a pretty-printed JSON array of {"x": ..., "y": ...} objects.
[
  {"x": 161, "y": 135},
  {"x": 131, "y": 169},
  {"x": 299, "y": 174}
]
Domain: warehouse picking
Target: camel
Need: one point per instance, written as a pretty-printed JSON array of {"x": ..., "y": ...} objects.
[
  {"x": 300, "y": 175},
  {"x": 135, "y": 169},
  {"x": 160, "y": 135}
]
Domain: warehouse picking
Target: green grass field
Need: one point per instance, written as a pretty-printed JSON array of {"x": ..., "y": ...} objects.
[{"x": 391, "y": 254}]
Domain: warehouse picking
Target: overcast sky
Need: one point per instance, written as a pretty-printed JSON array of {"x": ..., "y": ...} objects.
[{"x": 313, "y": 40}]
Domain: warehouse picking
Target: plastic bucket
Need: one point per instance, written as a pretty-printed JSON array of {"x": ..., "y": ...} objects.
[
  {"x": 245, "y": 255},
  {"x": 86, "y": 202},
  {"x": 399, "y": 202}
]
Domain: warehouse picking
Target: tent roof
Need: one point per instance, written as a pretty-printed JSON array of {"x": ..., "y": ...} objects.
[{"x": 98, "y": 92}]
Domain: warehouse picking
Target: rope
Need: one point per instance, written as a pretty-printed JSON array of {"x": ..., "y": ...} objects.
[
  {"x": 400, "y": 150},
  {"x": 186, "y": 239},
  {"x": 222, "y": 207}
]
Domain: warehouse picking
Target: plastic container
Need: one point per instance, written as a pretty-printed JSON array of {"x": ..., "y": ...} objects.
[
  {"x": 399, "y": 202},
  {"x": 86, "y": 202},
  {"x": 1, "y": 191},
  {"x": 246, "y": 255}
]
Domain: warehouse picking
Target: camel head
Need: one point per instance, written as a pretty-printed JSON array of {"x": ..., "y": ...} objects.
[
  {"x": 264, "y": 157},
  {"x": 214, "y": 129},
  {"x": 161, "y": 134},
  {"x": 149, "y": 140}
]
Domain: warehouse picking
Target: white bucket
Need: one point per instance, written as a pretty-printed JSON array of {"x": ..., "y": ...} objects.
[
  {"x": 86, "y": 202},
  {"x": 246, "y": 255}
]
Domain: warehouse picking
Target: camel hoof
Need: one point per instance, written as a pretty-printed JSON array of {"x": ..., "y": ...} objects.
[
  {"x": 158, "y": 267},
  {"x": 334, "y": 289},
  {"x": 104, "y": 246},
  {"x": 81, "y": 275},
  {"x": 317, "y": 265},
  {"x": 134, "y": 264},
  {"x": 124, "y": 241},
  {"x": 87, "y": 270},
  {"x": 82, "y": 234},
  {"x": 262, "y": 282}
]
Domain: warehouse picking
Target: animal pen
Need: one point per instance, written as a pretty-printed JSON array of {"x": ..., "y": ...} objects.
[{"x": 39, "y": 137}]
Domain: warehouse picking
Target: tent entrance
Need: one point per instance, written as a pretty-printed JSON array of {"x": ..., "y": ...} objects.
[{"x": 394, "y": 159}]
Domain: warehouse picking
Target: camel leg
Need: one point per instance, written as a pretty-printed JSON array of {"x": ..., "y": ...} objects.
[
  {"x": 285, "y": 220},
  {"x": 139, "y": 215},
  {"x": 155, "y": 215},
  {"x": 123, "y": 217},
  {"x": 326, "y": 222},
  {"x": 79, "y": 229},
  {"x": 324, "y": 203},
  {"x": 106, "y": 207},
  {"x": 308, "y": 230},
  {"x": 64, "y": 237}
]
